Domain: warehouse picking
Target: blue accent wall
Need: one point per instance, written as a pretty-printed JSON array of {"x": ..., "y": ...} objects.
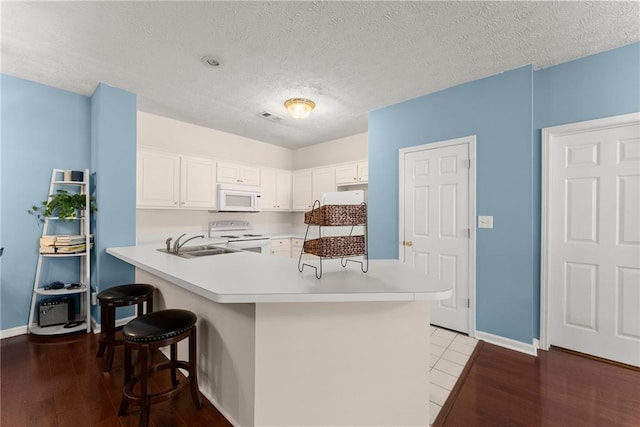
[
  {"x": 113, "y": 160},
  {"x": 507, "y": 113},
  {"x": 45, "y": 128},
  {"x": 498, "y": 110},
  {"x": 42, "y": 128}
]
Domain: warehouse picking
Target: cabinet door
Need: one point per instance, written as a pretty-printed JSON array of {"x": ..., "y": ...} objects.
[
  {"x": 157, "y": 179},
  {"x": 232, "y": 173},
  {"x": 281, "y": 247},
  {"x": 283, "y": 190},
  {"x": 197, "y": 183},
  {"x": 347, "y": 174},
  {"x": 301, "y": 190},
  {"x": 323, "y": 181},
  {"x": 228, "y": 173},
  {"x": 268, "y": 189},
  {"x": 249, "y": 176},
  {"x": 363, "y": 172}
]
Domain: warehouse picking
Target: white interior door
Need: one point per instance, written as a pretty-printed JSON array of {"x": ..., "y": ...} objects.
[
  {"x": 593, "y": 235},
  {"x": 435, "y": 228}
]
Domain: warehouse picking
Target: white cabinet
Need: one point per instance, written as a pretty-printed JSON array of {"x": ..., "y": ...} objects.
[
  {"x": 281, "y": 247},
  {"x": 323, "y": 180},
  {"x": 301, "y": 190},
  {"x": 168, "y": 180},
  {"x": 276, "y": 189},
  {"x": 158, "y": 179},
  {"x": 232, "y": 173},
  {"x": 296, "y": 247},
  {"x": 310, "y": 184},
  {"x": 197, "y": 183},
  {"x": 352, "y": 173}
]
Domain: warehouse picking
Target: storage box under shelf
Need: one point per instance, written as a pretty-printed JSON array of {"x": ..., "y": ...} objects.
[
  {"x": 336, "y": 246},
  {"x": 336, "y": 215}
]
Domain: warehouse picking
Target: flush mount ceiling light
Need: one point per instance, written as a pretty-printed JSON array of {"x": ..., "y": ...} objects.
[{"x": 299, "y": 108}]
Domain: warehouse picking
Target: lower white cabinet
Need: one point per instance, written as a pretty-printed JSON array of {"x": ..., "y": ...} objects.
[
  {"x": 281, "y": 247},
  {"x": 296, "y": 247},
  {"x": 166, "y": 180}
]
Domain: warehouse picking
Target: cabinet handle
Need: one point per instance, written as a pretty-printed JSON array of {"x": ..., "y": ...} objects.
[
  {"x": 175, "y": 203},
  {"x": 354, "y": 178}
]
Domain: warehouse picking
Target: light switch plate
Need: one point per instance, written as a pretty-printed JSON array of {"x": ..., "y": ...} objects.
[{"x": 485, "y": 221}]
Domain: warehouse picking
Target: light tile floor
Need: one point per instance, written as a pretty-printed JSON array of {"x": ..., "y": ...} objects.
[{"x": 449, "y": 353}]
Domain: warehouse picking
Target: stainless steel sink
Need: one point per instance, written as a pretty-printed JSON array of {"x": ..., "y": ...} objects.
[{"x": 199, "y": 251}]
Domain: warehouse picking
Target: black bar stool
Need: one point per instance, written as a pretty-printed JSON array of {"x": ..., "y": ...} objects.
[
  {"x": 149, "y": 332},
  {"x": 109, "y": 300}
]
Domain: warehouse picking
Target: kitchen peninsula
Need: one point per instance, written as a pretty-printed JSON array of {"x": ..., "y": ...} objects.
[{"x": 277, "y": 347}]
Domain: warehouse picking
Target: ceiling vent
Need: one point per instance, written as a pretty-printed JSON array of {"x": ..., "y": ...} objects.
[{"x": 271, "y": 117}]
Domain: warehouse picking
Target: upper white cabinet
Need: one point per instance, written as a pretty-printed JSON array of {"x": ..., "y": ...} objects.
[
  {"x": 197, "y": 183},
  {"x": 232, "y": 173},
  {"x": 157, "y": 179},
  {"x": 352, "y": 173},
  {"x": 301, "y": 193},
  {"x": 323, "y": 180},
  {"x": 167, "y": 180},
  {"x": 310, "y": 184},
  {"x": 276, "y": 189}
]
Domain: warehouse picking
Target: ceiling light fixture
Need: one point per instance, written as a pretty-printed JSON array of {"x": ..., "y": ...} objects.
[{"x": 299, "y": 108}]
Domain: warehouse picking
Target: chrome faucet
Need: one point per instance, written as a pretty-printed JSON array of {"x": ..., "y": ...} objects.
[
  {"x": 168, "y": 243},
  {"x": 177, "y": 245}
]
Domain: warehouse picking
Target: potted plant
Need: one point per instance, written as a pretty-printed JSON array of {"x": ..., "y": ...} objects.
[{"x": 63, "y": 205}]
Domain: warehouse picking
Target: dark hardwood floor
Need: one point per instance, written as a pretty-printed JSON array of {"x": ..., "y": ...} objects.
[
  {"x": 58, "y": 381},
  {"x": 500, "y": 387}
]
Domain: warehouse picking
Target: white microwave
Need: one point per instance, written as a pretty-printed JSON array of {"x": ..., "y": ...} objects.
[{"x": 238, "y": 198}]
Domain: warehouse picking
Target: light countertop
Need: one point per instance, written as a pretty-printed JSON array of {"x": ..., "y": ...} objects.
[{"x": 245, "y": 277}]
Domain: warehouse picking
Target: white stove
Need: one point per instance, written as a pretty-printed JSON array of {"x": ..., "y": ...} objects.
[{"x": 238, "y": 235}]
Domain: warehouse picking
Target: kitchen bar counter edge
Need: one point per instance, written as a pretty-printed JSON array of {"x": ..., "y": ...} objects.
[{"x": 243, "y": 277}]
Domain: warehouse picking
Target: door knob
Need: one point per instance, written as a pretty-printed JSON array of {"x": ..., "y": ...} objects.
[{"x": 408, "y": 243}]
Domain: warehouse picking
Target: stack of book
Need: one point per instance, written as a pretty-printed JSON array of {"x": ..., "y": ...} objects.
[{"x": 65, "y": 244}]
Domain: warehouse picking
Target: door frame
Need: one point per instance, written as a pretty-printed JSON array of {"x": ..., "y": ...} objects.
[
  {"x": 549, "y": 134},
  {"x": 470, "y": 141}
]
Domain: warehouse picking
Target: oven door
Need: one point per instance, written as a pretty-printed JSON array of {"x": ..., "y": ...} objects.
[{"x": 261, "y": 246}]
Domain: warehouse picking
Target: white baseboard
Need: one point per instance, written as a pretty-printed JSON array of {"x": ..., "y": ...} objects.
[
  {"x": 531, "y": 349},
  {"x": 95, "y": 326},
  {"x": 13, "y": 332}
]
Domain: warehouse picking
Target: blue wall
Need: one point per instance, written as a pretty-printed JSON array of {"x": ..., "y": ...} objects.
[
  {"x": 506, "y": 112},
  {"x": 42, "y": 128},
  {"x": 45, "y": 128},
  {"x": 113, "y": 160},
  {"x": 498, "y": 110}
]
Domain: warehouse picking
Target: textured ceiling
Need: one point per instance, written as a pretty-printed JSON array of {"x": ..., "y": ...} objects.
[{"x": 349, "y": 57}]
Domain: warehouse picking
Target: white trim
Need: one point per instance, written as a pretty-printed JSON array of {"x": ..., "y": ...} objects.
[
  {"x": 548, "y": 134},
  {"x": 531, "y": 349},
  {"x": 13, "y": 332},
  {"x": 120, "y": 322},
  {"x": 470, "y": 141}
]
